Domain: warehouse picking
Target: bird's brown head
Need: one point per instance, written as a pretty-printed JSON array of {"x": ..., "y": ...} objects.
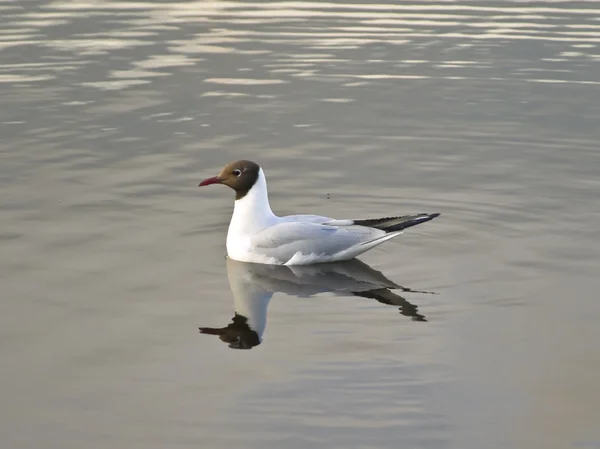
[{"x": 239, "y": 175}]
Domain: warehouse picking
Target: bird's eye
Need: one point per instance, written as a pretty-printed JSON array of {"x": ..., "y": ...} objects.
[{"x": 237, "y": 172}]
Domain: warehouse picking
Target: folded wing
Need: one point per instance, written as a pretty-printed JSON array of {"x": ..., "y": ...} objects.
[{"x": 285, "y": 240}]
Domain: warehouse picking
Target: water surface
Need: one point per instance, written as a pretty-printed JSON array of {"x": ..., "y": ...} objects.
[{"x": 113, "y": 111}]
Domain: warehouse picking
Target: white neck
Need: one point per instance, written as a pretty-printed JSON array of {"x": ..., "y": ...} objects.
[{"x": 252, "y": 213}]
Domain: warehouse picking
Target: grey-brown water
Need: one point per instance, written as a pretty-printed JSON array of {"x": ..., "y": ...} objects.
[{"x": 111, "y": 257}]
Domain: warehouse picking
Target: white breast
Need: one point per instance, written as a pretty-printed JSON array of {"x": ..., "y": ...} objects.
[{"x": 251, "y": 214}]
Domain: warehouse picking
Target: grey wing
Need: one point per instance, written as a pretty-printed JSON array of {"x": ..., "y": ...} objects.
[
  {"x": 305, "y": 218},
  {"x": 282, "y": 241}
]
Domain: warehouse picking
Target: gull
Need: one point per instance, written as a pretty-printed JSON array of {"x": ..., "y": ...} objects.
[{"x": 257, "y": 235}]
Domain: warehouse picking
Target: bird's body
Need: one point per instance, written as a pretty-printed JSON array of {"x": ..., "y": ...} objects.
[{"x": 257, "y": 235}]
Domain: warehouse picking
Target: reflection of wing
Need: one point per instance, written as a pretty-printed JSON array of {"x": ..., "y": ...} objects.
[
  {"x": 385, "y": 296},
  {"x": 307, "y": 280},
  {"x": 351, "y": 277},
  {"x": 282, "y": 241}
]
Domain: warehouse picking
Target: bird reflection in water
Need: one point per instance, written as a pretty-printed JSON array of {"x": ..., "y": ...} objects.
[{"x": 253, "y": 285}]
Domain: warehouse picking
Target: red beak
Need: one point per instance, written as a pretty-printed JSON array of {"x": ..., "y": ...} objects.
[{"x": 209, "y": 181}]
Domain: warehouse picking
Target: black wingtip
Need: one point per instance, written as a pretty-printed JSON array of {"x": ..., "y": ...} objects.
[
  {"x": 392, "y": 224},
  {"x": 409, "y": 221}
]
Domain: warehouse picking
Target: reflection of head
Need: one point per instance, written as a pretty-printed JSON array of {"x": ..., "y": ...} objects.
[{"x": 238, "y": 334}]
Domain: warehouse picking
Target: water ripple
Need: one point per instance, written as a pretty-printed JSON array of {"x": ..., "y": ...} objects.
[{"x": 232, "y": 27}]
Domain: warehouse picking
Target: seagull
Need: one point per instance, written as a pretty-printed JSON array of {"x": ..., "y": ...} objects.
[{"x": 257, "y": 235}]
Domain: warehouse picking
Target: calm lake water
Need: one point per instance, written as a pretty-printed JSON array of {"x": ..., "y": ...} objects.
[{"x": 112, "y": 258}]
